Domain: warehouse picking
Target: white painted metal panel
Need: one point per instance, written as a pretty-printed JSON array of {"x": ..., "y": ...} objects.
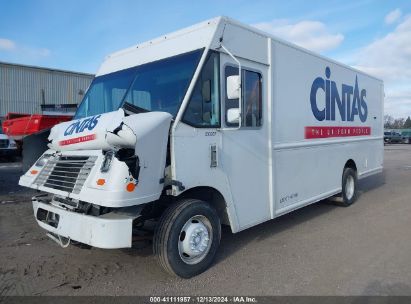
[
  {"x": 310, "y": 169},
  {"x": 295, "y": 71},
  {"x": 193, "y": 38},
  {"x": 193, "y": 163},
  {"x": 245, "y": 43}
]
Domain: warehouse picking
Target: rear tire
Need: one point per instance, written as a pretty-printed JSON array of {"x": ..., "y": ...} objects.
[
  {"x": 349, "y": 187},
  {"x": 187, "y": 237}
]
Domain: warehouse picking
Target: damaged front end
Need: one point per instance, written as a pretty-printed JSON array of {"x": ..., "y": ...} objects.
[
  {"x": 112, "y": 160},
  {"x": 111, "y": 164}
]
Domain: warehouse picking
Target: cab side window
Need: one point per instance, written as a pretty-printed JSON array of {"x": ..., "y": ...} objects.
[
  {"x": 252, "y": 101},
  {"x": 203, "y": 109}
]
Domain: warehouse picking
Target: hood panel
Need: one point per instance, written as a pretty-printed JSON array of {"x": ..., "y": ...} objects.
[
  {"x": 84, "y": 134},
  {"x": 107, "y": 131}
]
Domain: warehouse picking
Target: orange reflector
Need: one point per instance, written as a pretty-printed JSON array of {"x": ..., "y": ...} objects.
[
  {"x": 101, "y": 181},
  {"x": 34, "y": 171},
  {"x": 130, "y": 187}
]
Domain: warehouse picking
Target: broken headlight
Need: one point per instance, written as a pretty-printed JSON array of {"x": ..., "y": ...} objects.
[
  {"x": 108, "y": 158},
  {"x": 42, "y": 161}
]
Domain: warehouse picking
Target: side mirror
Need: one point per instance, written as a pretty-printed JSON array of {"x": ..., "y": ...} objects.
[
  {"x": 232, "y": 87},
  {"x": 206, "y": 91},
  {"x": 233, "y": 116}
]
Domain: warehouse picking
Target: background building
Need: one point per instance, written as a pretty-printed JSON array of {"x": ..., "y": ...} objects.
[{"x": 23, "y": 89}]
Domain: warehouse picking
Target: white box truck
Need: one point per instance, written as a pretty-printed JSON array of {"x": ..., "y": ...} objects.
[{"x": 218, "y": 123}]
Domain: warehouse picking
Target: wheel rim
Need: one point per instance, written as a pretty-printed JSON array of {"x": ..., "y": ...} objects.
[
  {"x": 349, "y": 187},
  {"x": 195, "y": 239}
]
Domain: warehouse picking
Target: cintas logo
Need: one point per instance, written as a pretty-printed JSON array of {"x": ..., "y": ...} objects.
[
  {"x": 351, "y": 102},
  {"x": 81, "y": 125}
]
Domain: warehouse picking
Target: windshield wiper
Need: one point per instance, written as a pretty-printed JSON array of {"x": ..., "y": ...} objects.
[{"x": 130, "y": 108}]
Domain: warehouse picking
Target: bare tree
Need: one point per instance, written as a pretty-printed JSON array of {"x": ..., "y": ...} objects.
[
  {"x": 398, "y": 123},
  {"x": 388, "y": 121}
]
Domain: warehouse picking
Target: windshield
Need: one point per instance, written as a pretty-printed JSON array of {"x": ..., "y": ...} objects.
[{"x": 155, "y": 86}]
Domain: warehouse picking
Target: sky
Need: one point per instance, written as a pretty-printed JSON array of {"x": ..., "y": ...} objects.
[{"x": 371, "y": 35}]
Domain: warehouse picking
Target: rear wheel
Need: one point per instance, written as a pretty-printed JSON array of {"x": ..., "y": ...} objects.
[
  {"x": 187, "y": 238},
  {"x": 349, "y": 187}
]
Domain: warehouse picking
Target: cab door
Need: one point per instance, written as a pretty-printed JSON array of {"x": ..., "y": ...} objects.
[{"x": 245, "y": 148}]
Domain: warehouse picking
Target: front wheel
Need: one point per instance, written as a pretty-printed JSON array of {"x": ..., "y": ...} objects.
[
  {"x": 349, "y": 187},
  {"x": 187, "y": 238}
]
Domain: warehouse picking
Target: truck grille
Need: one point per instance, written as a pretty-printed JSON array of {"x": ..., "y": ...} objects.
[
  {"x": 4, "y": 143},
  {"x": 66, "y": 173}
]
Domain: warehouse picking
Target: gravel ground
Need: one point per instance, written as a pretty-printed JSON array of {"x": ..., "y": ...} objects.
[{"x": 322, "y": 249}]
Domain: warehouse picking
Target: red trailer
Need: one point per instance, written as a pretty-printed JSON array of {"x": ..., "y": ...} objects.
[{"x": 19, "y": 125}]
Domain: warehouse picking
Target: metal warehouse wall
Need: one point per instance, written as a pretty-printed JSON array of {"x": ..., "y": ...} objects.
[{"x": 24, "y": 88}]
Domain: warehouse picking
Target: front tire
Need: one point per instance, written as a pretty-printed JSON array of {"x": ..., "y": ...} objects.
[
  {"x": 187, "y": 238},
  {"x": 349, "y": 187}
]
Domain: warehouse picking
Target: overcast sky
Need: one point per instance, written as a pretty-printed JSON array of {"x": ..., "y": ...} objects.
[{"x": 372, "y": 35}]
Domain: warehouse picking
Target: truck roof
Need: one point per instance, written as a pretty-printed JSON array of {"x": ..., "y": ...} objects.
[{"x": 206, "y": 34}]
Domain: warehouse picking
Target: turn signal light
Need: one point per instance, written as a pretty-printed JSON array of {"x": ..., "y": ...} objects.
[
  {"x": 101, "y": 181},
  {"x": 34, "y": 171},
  {"x": 130, "y": 187}
]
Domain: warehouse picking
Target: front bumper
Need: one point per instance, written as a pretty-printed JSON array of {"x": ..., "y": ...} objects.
[{"x": 109, "y": 231}]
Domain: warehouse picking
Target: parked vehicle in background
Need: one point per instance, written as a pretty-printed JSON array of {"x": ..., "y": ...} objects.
[
  {"x": 19, "y": 125},
  {"x": 406, "y": 137},
  {"x": 8, "y": 147},
  {"x": 391, "y": 137}
]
